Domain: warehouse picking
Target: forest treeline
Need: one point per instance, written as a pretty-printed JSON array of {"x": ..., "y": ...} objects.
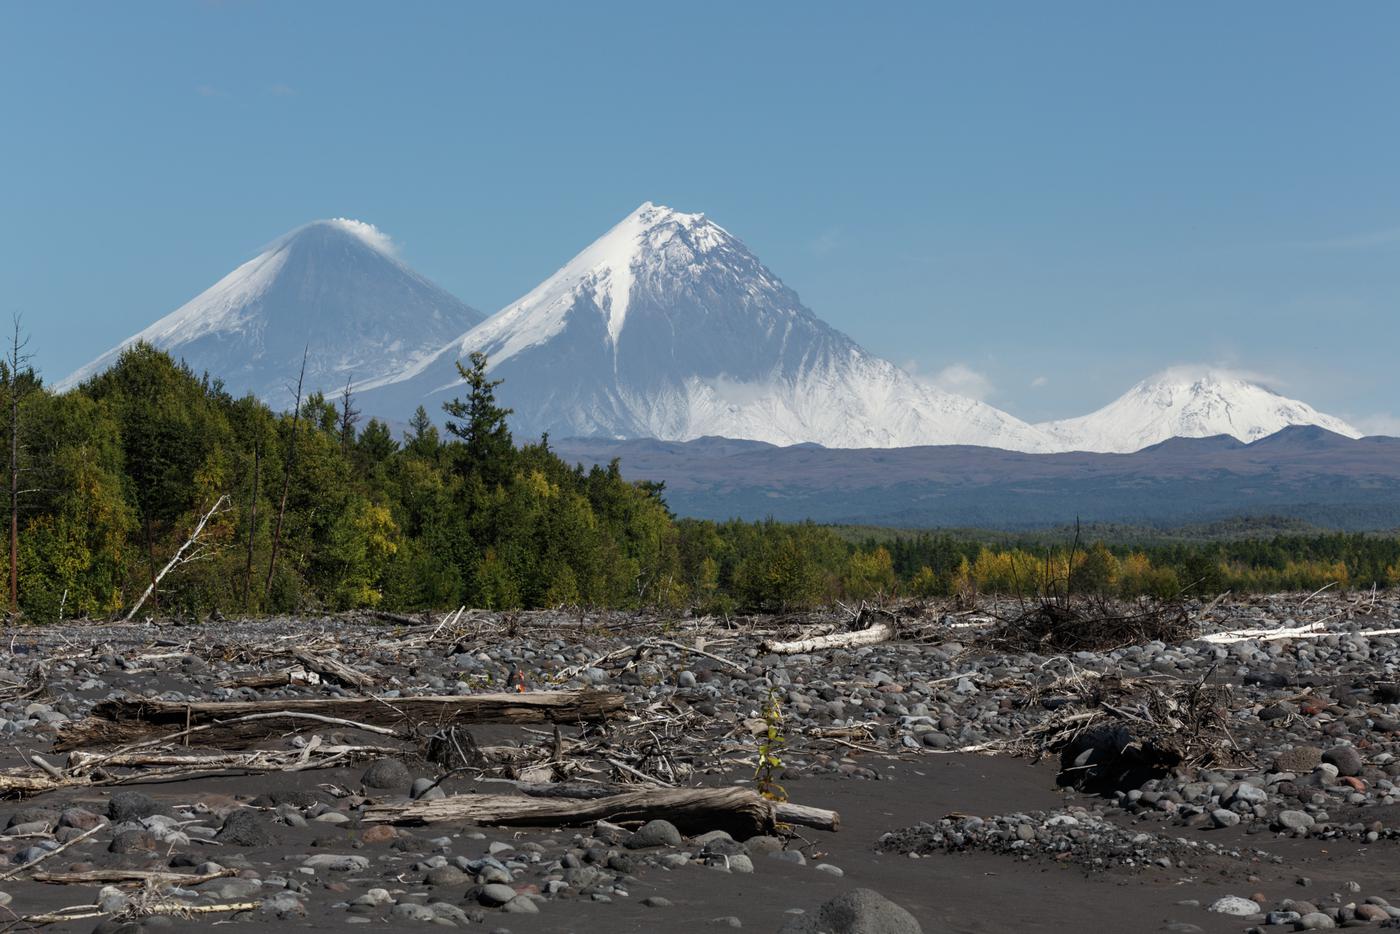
[{"x": 317, "y": 509}]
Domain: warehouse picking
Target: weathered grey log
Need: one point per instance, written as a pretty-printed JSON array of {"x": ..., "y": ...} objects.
[
  {"x": 128, "y": 720},
  {"x": 740, "y": 811}
]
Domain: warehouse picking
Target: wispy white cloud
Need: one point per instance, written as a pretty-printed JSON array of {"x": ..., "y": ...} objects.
[
  {"x": 1195, "y": 371},
  {"x": 1386, "y": 238},
  {"x": 827, "y": 242},
  {"x": 209, "y": 90},
  {"x": 963, "y": 380},
  {"x": 281, "y": 90},
  {"x": 1383, "y": 423},
  {"x": 367, "y": 232},
  {"x": 1040, "y": 381}
]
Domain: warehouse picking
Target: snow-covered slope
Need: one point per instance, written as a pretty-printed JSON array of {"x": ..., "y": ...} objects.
[
  {"x": 1188, "y": 403},
  {"x": 333, "y": 287},
  {"x": 668, "y": 327}
]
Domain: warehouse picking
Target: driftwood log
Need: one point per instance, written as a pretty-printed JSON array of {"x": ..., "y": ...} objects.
[
  {"x": 872, "y": 635},
  {"x": 236, "y": 724},
  {"x": 740, "y": 811},
  {"x": 130, "y": 876}
]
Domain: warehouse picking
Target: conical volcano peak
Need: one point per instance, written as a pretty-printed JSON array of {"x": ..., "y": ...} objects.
[
  {"x": 332, "y": 288},
  {"x": 343, "y": 230},
  {"x": 668, "y": 326}
]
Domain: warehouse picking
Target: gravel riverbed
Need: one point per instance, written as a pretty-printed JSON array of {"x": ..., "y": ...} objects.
[{"x": 924, "y": 745}]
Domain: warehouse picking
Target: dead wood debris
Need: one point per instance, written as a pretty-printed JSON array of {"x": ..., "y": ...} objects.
[{"x": 1064, "y": 625}]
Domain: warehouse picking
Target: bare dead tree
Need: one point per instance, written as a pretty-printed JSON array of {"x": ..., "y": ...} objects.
[
  {"x": 184, "y": 555},
  {"x": 286, "y": 477},
  {"x": 15, "y": 359},
  {"x": 252, "y": 524},
  {"x": 349, "y": 417}
]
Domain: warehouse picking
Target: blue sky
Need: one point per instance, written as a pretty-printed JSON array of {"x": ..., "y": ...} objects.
[{"x": 1041, "y": 203}]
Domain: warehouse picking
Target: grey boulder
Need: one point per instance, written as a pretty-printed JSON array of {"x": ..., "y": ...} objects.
[{"x": 860, "y": 911}]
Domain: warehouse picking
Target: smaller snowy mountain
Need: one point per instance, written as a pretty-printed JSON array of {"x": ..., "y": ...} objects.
[
  {"x": 333, "y": 288},
  {"x": 1186, "y": 402},
  {"x": 668, "y": 327}
]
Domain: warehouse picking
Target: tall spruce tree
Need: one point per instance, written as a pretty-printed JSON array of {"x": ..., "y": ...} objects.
[{"x": 487, "y": 448}]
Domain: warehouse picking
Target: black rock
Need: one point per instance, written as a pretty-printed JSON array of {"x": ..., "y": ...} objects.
[
  {"x": 1106, "y": 759},
  {"x": 387, "y": 774},
  {"x": 131, "y": 806},
  {"x": 133, "y": 841},
  {"x": 860, "y": 911},
  {"x": 245, "y": 828},
  {"x": 1346, "y": 758},
  {"x": 32, "y": 816}
]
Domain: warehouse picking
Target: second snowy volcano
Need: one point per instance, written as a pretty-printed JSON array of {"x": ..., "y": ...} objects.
[
  {"x": 1188, "y": 402},
  {"x": 668, "y": 327},
  {"x": 331, "y": 287}
]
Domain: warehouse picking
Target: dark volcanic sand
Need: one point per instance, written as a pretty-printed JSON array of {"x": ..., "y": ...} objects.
[{"x": 961, "y": 892}]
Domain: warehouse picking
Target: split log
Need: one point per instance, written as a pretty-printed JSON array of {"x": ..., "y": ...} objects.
[
  {"x": 740, "y": 811},
  {"x": 80, "y": 762},
  {"x": 273, "y": 679},
  {"x": 872, "y": 635},
  {"x": 13, "y": 785},
  {"x": 231, "y": 723},
  {"x": 327, "y": 667}
]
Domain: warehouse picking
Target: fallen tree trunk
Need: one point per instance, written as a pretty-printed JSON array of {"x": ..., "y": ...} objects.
[
  {"x": 872, "y": 635},
  {"x": 740, "y": 811},
  {"x": 86, "y": 769},
  {"x": 231, "y": 723}
]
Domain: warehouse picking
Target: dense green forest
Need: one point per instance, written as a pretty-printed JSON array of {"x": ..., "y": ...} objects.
[{"x": 317, "y": 509}]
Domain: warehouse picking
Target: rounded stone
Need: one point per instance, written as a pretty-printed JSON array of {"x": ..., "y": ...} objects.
[
  {"x": 387, "y": 774},
  {"x": 654, "y": 833},
  {"x": 1236, "y": 906},
  {"x": 495, "y": 893}
]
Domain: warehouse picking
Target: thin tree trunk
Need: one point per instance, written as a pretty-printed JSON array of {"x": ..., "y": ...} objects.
[
  {"x": 252, "y": 528},
  {"x": 14, "y": 485},
  {"x": 286, "y": 480},
  {"x": 16, "y": 361}
]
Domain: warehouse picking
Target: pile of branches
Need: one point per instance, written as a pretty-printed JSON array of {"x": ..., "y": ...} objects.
[
  {"x": 1062, "y": 625},
  {"x": 1113, "y": 734}
]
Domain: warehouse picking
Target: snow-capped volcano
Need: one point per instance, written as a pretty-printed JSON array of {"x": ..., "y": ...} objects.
[
  {"x": 1188, "y": 403},
  {"x": 668, "y": 327},
  {"x": 332, "y": 287}
]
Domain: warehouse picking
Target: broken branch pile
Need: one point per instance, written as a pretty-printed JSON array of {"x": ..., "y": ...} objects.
[{"x": 1067, "y": 625}]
